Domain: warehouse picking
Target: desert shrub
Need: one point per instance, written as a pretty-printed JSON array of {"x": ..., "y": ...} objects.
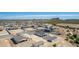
[
  {"x": 71, "y": 41},
  {"x": 66, "y": 39},
  {"x": 54, "y": 45},
  {"x": 77, "y": 40},
  {"x": 67, "y": 30},
  {"x": 75, "y": 35},
  {"x": 69, "y": 34},
  {"x": 71, "y": 37}
]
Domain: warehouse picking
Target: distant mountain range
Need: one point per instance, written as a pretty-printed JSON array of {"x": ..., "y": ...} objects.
[
  {"x": 53, "y": 20},
  {"x": 58, "y": 20}
]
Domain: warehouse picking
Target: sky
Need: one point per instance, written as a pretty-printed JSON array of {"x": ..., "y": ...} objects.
[{"x": 39, "y": 15}]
